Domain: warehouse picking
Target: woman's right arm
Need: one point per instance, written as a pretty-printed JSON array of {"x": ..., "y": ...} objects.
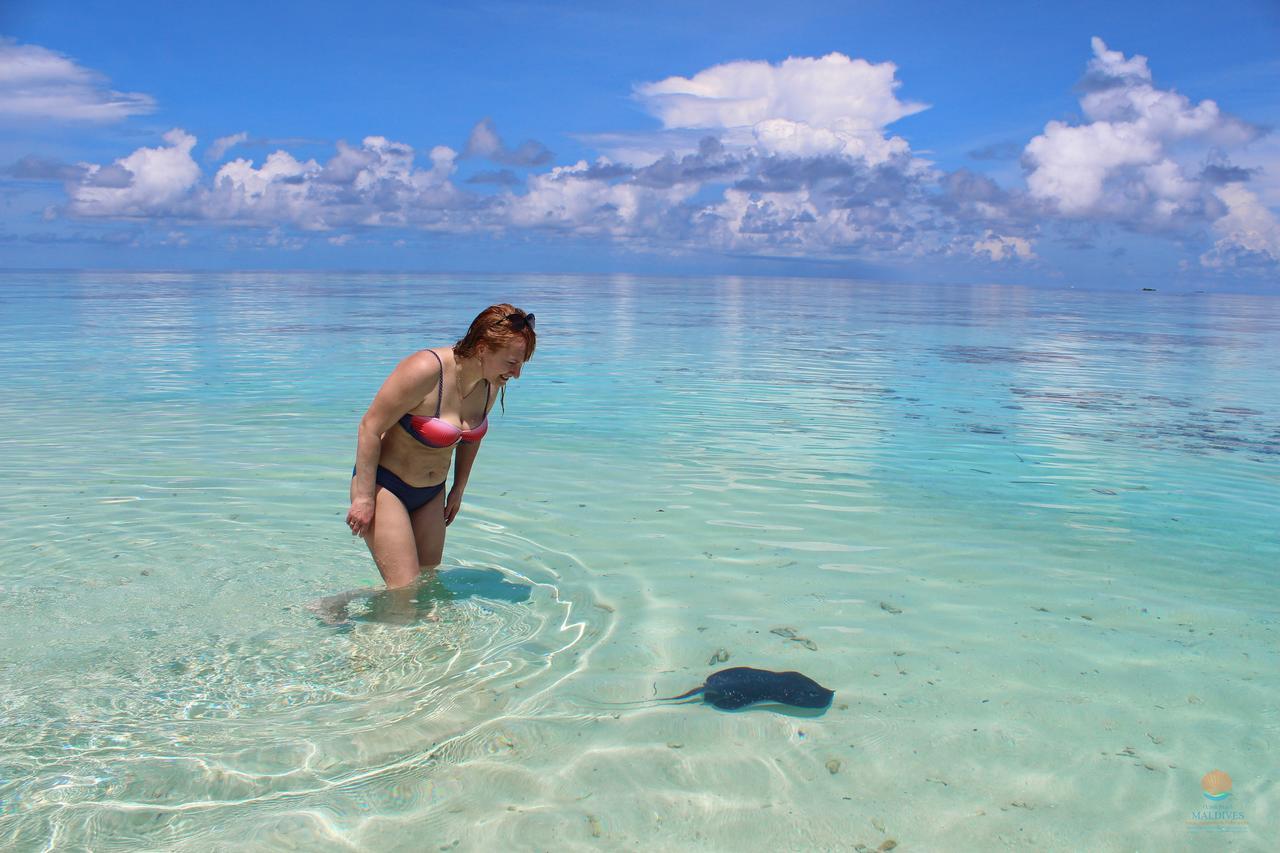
[{"x": 404, "y": 389}]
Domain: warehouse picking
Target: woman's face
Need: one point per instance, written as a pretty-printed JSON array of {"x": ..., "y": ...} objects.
[{"x": 503, "y": 364}]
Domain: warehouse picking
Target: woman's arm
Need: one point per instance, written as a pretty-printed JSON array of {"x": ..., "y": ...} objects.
[
  {"x": 405, "y": 388},
  {"x": 463, "y": 458}
]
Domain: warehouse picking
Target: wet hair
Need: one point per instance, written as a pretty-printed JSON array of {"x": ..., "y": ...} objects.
[{"x": 496, "y": 327}]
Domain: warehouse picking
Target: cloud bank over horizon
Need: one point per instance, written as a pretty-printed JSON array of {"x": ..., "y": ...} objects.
[{"x": 794, "y": 159}]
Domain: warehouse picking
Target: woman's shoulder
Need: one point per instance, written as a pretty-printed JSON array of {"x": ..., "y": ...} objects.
[
  {"x": 432, "y": 357},
  {"x": 424, "y": 364}
]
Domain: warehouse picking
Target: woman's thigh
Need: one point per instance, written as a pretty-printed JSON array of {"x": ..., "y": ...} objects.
[
  {"x": 428, "y": 531},
  {"x": 391, "y": 541}
]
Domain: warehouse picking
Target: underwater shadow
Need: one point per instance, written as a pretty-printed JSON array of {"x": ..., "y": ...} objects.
[{"x": 419, "y": 601}]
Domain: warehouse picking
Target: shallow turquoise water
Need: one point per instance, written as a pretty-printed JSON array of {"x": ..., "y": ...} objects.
[{"x": 1029, "y": 537}]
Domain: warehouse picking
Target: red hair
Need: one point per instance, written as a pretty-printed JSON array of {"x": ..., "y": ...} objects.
[{"x": 496, "y": 327}]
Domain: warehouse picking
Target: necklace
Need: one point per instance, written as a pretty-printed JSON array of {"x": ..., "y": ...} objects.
[{"x": 457, "y": 381}]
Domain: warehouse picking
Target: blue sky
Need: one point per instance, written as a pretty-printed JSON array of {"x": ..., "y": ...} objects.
[{"x": 1085, "y": 144}]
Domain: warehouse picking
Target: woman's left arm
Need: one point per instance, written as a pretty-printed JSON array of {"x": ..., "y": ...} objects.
[{"x": 464, "y": 456}]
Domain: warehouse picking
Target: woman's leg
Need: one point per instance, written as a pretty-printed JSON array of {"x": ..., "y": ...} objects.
[
  {"x": 391, "y": 541},
  {"x": 428, "y": 532}
]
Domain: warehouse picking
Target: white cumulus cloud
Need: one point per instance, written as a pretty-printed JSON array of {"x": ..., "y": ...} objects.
[
  {"x": 1000, "y": 248},
  {"x": 817, "y": 91},
  {"x": 37, "y": 83},
  {"x": 566, "y": 199},
  {"x": 277, "y": 191},
  {"x": 1151, "y": 159},
  {"x": 802, "y": 106},
  {"x": 377, "y": 183},
  {"x": 1249, "y": 230},
  {"x": 147, "y": 182},
  {"x": 1122, "y": 162}
]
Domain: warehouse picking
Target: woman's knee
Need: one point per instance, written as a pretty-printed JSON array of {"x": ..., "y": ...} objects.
[
  {"x": 397, "y": 573},
  {"x": 401, "y": 581}
]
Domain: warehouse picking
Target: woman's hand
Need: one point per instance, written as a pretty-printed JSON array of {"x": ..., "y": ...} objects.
[
  {"x": 452, "y": 505},
  {"x": 360, "y": 516}
]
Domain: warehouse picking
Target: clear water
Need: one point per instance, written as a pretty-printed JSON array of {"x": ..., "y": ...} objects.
[{"x": 1029, "y": 538}]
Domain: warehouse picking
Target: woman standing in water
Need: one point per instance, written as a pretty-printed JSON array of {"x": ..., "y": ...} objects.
[{"x": 435, "y": 400}]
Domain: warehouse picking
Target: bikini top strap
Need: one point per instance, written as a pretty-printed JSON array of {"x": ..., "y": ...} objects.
[
  {"x": 487, "y": 389},
  {"x": 440, "y": 394}
]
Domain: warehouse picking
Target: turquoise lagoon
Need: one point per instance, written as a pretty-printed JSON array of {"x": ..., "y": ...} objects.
[{"x": 1029, "y": 537}]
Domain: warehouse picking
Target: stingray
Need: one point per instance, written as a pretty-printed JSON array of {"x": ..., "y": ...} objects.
[{"x": 740, "y": 686}]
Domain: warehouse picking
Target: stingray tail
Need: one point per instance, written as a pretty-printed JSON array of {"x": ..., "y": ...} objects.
[{"x": 649, "y": 702}]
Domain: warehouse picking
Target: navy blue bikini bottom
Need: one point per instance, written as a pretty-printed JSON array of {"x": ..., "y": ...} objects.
[{"x": 413, "y": 497}]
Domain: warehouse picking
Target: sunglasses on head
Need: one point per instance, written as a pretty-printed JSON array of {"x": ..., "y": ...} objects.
[{"x": 520, "y": 321}]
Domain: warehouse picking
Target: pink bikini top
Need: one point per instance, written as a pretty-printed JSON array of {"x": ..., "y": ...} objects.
[{"x": 437, "y": 432}]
